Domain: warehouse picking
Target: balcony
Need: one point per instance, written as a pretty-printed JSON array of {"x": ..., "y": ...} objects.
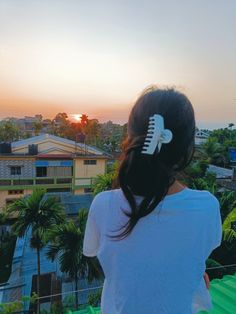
[{"x": 44, "y": 182}]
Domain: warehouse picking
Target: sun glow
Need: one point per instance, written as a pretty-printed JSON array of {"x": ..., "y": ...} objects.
[{"x": 77, "y": 117}]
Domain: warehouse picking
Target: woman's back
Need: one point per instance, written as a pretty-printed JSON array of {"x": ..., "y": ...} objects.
[
  {"x": 159, "y": 267},
  {"x": 155, "y": 261}
]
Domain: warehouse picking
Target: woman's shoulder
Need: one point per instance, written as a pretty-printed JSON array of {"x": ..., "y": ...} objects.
[
  {"x": 105, "y": 195},
  {"x": 205, "y": 199},
  {"x": 203, "y": 194},
  {"x": 102, "y": 200}
]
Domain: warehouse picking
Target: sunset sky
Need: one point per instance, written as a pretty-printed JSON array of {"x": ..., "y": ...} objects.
[{"x": 95, "y": 57}]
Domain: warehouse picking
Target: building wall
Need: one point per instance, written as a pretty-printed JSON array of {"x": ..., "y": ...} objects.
[
  {"x": 59, "y": 171},
  {"x": 200, "y": 141},
  {"x": 89, "y": 171},
  {"x": 27, "y": 170},
  {"x": 4, "y": 196}
]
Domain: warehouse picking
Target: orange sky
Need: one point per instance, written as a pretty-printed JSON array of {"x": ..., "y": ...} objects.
[{"x": 95, "y": 58}]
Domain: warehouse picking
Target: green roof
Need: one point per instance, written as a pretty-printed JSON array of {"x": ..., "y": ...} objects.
[{"x": 223, "y": 293}]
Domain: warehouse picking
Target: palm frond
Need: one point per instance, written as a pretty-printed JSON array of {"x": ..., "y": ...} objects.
[{"x": 229, "y": 232}]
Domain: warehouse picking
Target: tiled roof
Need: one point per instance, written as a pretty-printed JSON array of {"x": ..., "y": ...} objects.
[
  {"x": 38, "y": 138},
  {"x": 220, "y": 172},
  {"x": 223, "y": 293}
]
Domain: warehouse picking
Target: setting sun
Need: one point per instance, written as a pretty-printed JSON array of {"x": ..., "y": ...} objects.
[{"x": 77, "y": 117}]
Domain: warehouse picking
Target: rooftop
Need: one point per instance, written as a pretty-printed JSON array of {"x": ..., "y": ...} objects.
[{"x": 223, "y": 293}]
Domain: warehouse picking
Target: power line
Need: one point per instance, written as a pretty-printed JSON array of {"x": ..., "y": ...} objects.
[
  {"x": 222, "y": 266},
  {"x": 69, "y": 292}
]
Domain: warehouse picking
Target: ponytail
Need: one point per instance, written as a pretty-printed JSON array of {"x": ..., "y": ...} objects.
[{"x": 142, "y": 175}]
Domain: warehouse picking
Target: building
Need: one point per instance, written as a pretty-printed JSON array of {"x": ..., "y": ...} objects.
[
  {"x": 201, "y": 137},
  {"x": 50, "y": 162}
]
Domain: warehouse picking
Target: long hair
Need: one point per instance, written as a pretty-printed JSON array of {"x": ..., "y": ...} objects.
[{"x": 151, "y": 176}]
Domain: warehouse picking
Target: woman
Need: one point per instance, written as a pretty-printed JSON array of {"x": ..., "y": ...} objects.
[{"x": 153, "y": 235}]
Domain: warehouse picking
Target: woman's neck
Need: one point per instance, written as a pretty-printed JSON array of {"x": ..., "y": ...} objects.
[{"x": 175, "y": 188}]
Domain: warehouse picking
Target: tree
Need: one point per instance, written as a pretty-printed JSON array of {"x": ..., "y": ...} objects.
[
  {"x": 38, "y": 214},
  {"x": 9, "y": 131},
  {"x": 67, "y": 244},
  {"x": 103, "y": 182},
  {"x": 93, "y": 132},
  {"x": 37, "y": 125},
  {"x": 213, "y": 151},
  {"x": 84, "y": 120}
]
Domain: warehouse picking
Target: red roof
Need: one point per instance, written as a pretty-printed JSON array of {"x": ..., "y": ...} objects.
[{"x": 54, "y": 156}]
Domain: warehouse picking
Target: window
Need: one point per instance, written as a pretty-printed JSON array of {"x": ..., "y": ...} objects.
[
  {"x": 15, "y": 192},
  {"x": 41, "y": 171},
  {"x": 87, "y": 190},
  {"x": 90, "y": 162},
  {"x": 15, "y": 170}
]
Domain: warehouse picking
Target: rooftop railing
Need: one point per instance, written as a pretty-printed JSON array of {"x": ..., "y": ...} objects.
[{"x": 28, "y": 183}]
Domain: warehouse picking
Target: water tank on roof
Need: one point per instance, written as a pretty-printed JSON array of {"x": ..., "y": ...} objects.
[
  {"x": 5, "y": 148},
  {"x": 33, "y": 149}
]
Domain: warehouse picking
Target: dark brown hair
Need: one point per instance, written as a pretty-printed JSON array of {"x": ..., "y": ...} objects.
[{"x": 151, "y": 176}]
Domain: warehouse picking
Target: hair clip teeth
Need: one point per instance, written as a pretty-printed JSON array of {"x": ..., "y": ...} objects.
[{"x": 156, "y": 135}]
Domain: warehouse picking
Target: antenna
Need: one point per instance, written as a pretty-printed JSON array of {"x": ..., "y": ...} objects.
[{"x": 80, "y": 138}]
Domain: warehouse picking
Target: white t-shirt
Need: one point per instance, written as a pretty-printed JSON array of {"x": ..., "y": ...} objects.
[{"x": 159, "y": 267}]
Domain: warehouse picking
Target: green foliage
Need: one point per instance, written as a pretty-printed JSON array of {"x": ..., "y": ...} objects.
[
  {"x": 12, "y": 307},
  {"x": 66, "y": 242},
  {"x": 208, "y": 183},
  {"x": 213, "y": 151},
  {"x": 16, "y": 306},
  {"x": 197, "y": 177},
  {"x": 227, "y": 201},
  {"x": 37, "y": 125},
  {"x": 196, "y": 169},
  {"x": 93, "y": 132},
  {"x": 219, "y": 143},
  {"x": 229, "y": 227},
  {"x": 3, "y": 218},
  {"x": 37, "y": 212},
  {"x": 7, "y": 246},
  {"x": 103, "y": 182},
  {"x": 9, "y": 131},
  {"x": 94, "y": 299}
]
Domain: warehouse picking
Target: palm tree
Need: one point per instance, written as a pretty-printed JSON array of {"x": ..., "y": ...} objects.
[
  {"x": 107, "y": 181},
  {"x": 230, "y": 125},
  {"x": 229, "y": 226},
  {"x": 67, "y": 244},
  {"x": 102, "y": 182},
  {"x": 213, "y": 151},
  {"x": 38, "y": 214},
  {"x": 84, "y": 120}
]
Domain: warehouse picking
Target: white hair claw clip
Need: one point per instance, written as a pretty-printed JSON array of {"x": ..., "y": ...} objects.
[{"x": 156, "y": 135}]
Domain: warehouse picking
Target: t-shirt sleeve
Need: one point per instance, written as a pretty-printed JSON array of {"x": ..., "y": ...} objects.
[
  {"x": 92, "y": 230},
  {"x": 217, "y": 233},
  {"x": 214, "y": 227}
]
